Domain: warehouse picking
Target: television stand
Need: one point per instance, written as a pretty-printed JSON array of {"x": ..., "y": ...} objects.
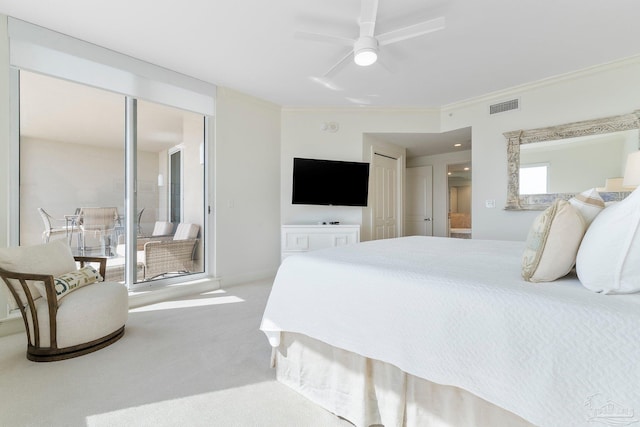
[{"x": 303, "y": 238}]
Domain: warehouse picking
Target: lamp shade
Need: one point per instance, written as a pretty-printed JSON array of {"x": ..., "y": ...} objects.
[{"x": 632, "y": 170}]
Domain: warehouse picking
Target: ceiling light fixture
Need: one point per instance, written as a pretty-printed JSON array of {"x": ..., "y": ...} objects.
[
  {"x": 457, "y": 145},
  {"x": 365, "y": 51}
]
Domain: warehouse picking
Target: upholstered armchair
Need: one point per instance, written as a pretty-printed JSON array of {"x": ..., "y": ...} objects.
[{"x": 66, "y": 311}]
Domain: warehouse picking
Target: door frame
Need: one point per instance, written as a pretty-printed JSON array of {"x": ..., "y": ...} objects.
[{"x": 371, "y": 146}]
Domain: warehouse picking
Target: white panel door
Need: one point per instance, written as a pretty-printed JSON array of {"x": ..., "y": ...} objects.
[
  {"x": 419, "y": 203},
  {"x": 385, "y": 207}
]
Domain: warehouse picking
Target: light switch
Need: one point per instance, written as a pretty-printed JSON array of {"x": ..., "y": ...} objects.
[{"x": 490, "y": 204}]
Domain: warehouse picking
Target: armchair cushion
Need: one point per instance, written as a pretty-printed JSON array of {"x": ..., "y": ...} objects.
[
  {"x": 54, "y": 258},
  {"x": 186, "y": 231},
  {"x": 79, "y": 318},
  {"x": 162, "y": 228},
  {"x": 71, "y": 281}
]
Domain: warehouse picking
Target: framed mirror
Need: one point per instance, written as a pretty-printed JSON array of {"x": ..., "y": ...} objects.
[{"x": 562, "y": 161}]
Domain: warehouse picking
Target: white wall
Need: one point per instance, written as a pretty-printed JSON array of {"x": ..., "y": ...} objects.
[
  {"x": 247, "y": 187},
  {"x": 303, "y": 136},
  {"x": 464, "y": 199},
  {"x": 594, "y": 93}
]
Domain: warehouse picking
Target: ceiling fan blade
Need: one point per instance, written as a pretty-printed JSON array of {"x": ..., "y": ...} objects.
[
  {"x": 339, "y": 65},
  {"x": 411, "y": 31},
  {"x": 368, "y": 13},
  {"x": 326, "y": 82},
  {"x": 324, "y": 38},
  {"x": 382, "y": 62}
]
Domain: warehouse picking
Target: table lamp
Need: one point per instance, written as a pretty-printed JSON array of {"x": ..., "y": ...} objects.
[{"x": 632, "y": 170}]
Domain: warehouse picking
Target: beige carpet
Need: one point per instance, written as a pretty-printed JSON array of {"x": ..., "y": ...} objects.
[{"x": 194, "y": 361}]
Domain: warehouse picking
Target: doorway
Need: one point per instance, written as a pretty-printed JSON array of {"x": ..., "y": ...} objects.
[{"x": 459, "y": 186}]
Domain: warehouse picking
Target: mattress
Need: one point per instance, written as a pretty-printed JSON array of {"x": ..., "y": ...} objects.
[{"x": 457, "y": 312}]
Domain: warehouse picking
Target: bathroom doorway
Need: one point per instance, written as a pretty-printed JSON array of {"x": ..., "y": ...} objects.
[{"x": 459, "y": 185}]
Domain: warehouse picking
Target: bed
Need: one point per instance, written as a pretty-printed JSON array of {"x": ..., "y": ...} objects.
[{"x": 428, "y": 331}]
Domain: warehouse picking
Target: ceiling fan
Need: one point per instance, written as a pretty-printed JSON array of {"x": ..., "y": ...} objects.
[{"x": 365, "y": 48}]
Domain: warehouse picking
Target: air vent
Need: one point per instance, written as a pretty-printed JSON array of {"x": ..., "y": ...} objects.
[{"x": 501, "y": 107}]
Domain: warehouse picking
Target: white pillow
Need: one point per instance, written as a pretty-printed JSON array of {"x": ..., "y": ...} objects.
[
  {"x": 609, "y": 257},
  {"x": 589, "y": 204},
  {"x": 552, "y": 243},
  {"x": 54, "y": 258}
]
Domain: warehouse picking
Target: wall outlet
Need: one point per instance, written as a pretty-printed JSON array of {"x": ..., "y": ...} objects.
[{"x": 490, "y": 204}]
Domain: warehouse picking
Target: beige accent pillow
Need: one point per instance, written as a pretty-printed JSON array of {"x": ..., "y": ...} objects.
[
  {"x": 589, "y": 204},
  {"x": 609, "y": 257},
  {"x": 71, "y": 281},
  {"x": 54, "y": 258},
  {"x": 552, "y": 243}
]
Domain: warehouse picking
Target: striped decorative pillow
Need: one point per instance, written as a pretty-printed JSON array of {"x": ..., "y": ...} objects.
[{"x": 71, "y": 281}]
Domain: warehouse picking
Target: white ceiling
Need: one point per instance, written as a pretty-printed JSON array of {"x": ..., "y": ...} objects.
[
  {"x": 250, "y": 46},
  {"x": 429, "y": 144}
]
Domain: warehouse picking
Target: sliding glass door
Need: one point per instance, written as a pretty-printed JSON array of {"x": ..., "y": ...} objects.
[
  {"x": 75, "y": 178},
  {"x": 170, "y": 193}
]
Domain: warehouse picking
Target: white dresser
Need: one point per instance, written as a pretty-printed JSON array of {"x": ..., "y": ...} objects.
[{"x": 303, "y": 238}]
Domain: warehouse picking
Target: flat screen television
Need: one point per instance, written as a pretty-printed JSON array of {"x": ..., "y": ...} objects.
[{"x": 330, "y": 182}]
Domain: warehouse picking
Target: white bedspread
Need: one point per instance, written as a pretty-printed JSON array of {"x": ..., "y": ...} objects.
[{"x": 457, "y": 312}]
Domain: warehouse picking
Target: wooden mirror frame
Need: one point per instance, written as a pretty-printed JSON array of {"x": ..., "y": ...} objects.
[{"x": 516, "y": 138}]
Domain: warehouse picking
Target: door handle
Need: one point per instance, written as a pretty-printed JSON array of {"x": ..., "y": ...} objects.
[{"x": 427, "y": 219}]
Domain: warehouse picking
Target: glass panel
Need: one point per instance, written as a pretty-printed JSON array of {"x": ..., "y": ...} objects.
[
  {"x": 170, "y": 191},
  {"x": 71, "y": 164}
]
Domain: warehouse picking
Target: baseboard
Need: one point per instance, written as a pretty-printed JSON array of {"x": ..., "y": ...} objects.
[{"x": 240, "y": 279}]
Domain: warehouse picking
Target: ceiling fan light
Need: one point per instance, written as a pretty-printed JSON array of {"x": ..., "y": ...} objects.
[{"x": 365, "y": 57}]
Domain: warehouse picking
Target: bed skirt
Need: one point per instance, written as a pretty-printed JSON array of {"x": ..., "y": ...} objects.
[{"x": 369, "y": 392}]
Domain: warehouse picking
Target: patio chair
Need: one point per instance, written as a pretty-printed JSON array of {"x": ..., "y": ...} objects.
[
  {"x": 66, "y": 312},
  {"x": 50, "y": 229},
  {"x": 100, "y": 223}
]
